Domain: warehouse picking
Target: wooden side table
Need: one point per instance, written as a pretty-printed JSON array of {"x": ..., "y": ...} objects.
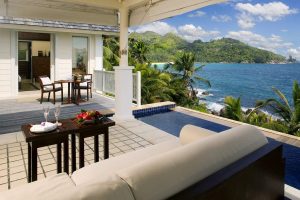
[
  {"x": 91, "y": 130},
  {"x": 37, "y": 140}
]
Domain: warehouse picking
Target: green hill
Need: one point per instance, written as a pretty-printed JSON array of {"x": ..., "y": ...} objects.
[{"x": 227, "y": 50}]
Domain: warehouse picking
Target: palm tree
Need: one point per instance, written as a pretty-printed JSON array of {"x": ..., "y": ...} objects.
[
  {"x": 155, "y": 84},
  {"x": 185, "y": 65},
  {"x": 138, "y": 50},
  {"x": 233, "y": 108},
  {"x": 289, "y": 114},
  {"x": 110, "y": 53}
]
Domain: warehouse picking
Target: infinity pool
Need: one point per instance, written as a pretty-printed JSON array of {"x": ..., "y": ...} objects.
[{"x": 172, "y": 122}]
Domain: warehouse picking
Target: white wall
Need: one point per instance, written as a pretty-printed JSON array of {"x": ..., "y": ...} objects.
[{"x": 8, "y": 68}]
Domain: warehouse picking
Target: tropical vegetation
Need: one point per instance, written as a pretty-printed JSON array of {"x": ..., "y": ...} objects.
[
  {"x": 159, "y": 85},
  {"x": 287, "y": 117},
  {"x": 290, "y": 114}
]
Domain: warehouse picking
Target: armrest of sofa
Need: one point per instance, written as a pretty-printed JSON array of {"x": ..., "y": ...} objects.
[{"x": 190, "y": 133}]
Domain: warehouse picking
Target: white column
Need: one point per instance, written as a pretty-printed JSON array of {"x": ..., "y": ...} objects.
[
  {"x": 99, "y": 52},
  {"x": 14, "y": 65},
  {"x": 3, "y": 7},
  {"x": 123, "y": 74}
]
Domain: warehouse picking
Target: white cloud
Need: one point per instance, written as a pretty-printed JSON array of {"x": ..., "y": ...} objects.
[
  {"x": 273, "y": 43},
  {"x": 221, "y": 18},
  {"x": 161, "y": 28},
  {"x": 245, "y": 21},
  {"x": 191, "y": 32},
  {"x": 295, "y": 53},
  {"x": 251, "y": 13},
  {"x": 284, "y": 30},
  {"x": 197, "y": 14}
]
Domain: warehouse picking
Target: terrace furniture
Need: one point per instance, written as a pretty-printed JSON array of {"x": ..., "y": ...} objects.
[
  {"x": 85, "y": 84},
  {"x": 61, "y": 135},
  {"x": 235, "y": 164},
  {"x": 47, "y": 87},
  {"x": 57, "y": 137},
  {"x": 70, "y": 89},
  {"x": 91, "y": 130}
]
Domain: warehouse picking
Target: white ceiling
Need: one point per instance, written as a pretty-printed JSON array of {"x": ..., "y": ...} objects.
[{"x": 102, "y": 12}]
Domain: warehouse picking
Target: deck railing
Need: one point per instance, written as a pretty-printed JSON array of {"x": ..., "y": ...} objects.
[{"x": 104, "y": 81}]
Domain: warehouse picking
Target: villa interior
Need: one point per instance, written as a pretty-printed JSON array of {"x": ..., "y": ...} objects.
[{"x": 33, "y": 59}]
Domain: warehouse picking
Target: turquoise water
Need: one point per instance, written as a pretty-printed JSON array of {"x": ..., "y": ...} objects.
[{"x": 251, "y": 82}]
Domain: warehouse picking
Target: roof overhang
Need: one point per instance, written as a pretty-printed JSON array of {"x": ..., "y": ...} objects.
[
  {"x": 101, "y": 12},
  {"x": 56, "y": 26}
]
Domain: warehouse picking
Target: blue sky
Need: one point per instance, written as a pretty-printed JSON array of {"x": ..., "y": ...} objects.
[{"x": 266, "y": 24}]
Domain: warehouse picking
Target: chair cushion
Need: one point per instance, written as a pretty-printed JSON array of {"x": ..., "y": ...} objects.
[
  {"x": 50, "y": 87},
  {"x": 96, "y": 171},
  {"x": 111, "y": 187},
  {"x": 56, "y": 187},
  {"x": 46, "y": 80},
  {"x": 84, "y": 84},
  {"x": 164, "y": 175},
  {"x": 87, "y": 77},
  {"x": 190, "y": 133}
]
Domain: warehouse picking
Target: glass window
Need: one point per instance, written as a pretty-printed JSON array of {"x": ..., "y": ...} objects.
[
  {"x": 23, "y": 53},
  {"x": 80, "y": 55}
]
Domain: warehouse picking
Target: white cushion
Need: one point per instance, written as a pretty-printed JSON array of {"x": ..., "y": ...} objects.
[
  {"x": 87, "y": 77},
  {"x": 111, "y": 188},
  {"x": 164, "y": 175},
  {"x": 50, "y": 87},
  {"x": 46, "y": 80},
  {"x": 56, "y": 187},
  {"x": 84, "y": 84},
  {"x": 190, "y": 133},
  {"x": 96, "y": 171}
]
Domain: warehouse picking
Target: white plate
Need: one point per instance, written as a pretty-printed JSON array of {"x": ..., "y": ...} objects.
[{"x": 39, "y": 128}]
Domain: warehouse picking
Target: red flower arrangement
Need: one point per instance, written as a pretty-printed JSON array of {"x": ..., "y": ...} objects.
[{"x": 88, "y": 116}]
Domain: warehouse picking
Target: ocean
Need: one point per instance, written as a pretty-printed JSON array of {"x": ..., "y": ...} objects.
[{"x": 251, "y": 82}]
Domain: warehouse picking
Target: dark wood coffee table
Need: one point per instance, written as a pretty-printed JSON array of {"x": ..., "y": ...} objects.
[
  {"x": 37, "y": 140},
  {"x": 61, "y": 135},
  {"x": 91, "y": 130}
]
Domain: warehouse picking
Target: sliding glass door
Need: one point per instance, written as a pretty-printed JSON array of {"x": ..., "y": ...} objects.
[{"x": 80, "y": 55}]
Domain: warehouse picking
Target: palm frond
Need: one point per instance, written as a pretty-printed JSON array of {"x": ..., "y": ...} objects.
[
  {"x": 281, "y": 96},
  {"x": 203, "y": 80}
]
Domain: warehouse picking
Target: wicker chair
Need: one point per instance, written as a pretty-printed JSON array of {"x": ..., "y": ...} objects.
[{"x": 47, "y": 87}]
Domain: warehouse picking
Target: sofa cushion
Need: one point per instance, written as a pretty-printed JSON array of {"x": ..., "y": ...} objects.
[
  {"x": 56, "y": 187},
  {"x": 112, "y": 187},
  {"x": 164, "y": 175},
  {"x": 190, "y": 133},
  {"x": 97, "y": 171}
]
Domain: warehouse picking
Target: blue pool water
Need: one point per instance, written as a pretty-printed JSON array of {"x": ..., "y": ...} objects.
[{"x": 172, "y": 122}]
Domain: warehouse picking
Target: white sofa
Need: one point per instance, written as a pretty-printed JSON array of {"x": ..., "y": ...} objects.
[{"x": 155, "y": 172}]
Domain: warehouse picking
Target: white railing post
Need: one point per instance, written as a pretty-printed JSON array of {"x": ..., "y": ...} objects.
[
  {"x": 103, "y": 81},
  {"x": 139, "y": 88}
]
